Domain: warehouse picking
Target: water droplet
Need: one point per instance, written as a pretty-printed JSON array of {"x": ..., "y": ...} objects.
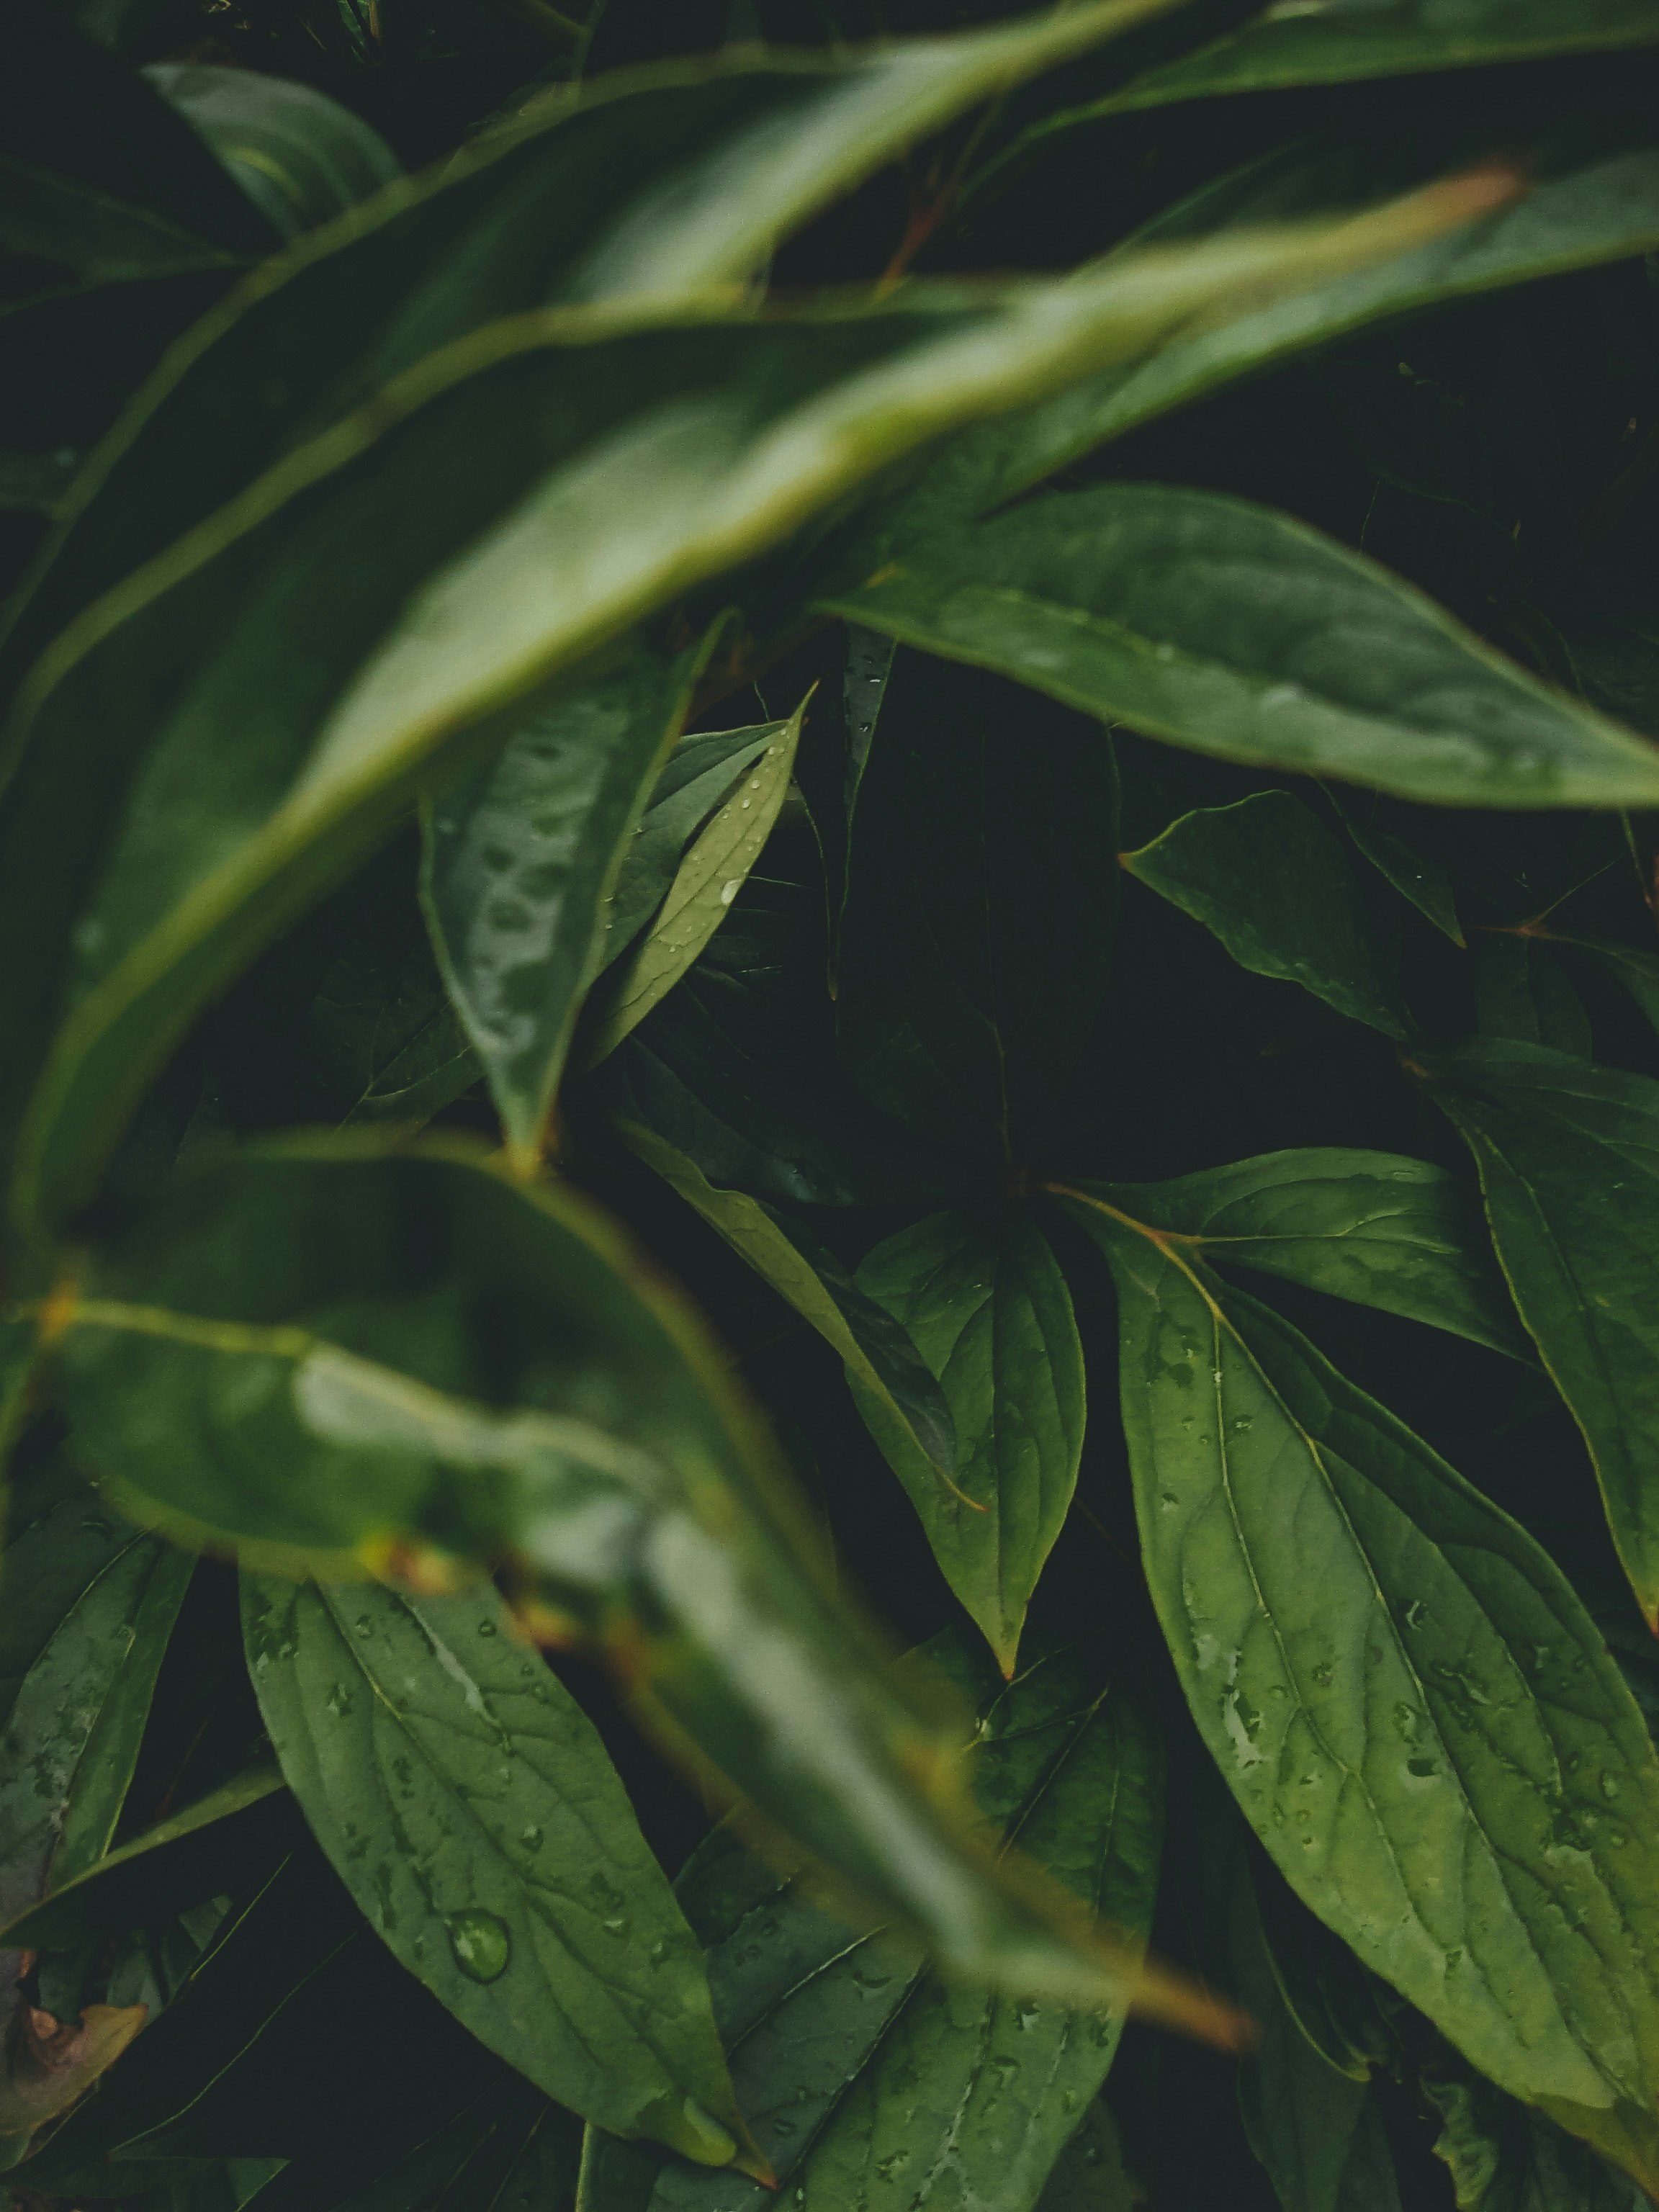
[
  {"x": 531, "y": 1838},
  {"x": 482, "y": 1944},
  {"x": 1422, "y": 1768},
  {"x": 1323, "y": 1674},
  {"x": 486, "y": 1628},
  {"x": 1242, "y": 1425},
  {"x": 658, "y": 1953},
  {"x": 1609, "y": 1787},
  {"x": 339, "y": 1701},
  {"x": 729, "y": 891},
  {"x": 1416, "y": 1613},
  {"x": 364, "y": 1625}
]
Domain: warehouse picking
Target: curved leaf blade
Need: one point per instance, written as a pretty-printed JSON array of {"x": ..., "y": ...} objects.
[
  {"x": 1371, "y": 1227},
  {"x": 1569, "y": 1161},
  {"x": 1417, "y": 1715},
  {"x": 466, "y": 1802},
  {"x": 1235, "y": 631},
  {"x": 990, "y": 1314}
]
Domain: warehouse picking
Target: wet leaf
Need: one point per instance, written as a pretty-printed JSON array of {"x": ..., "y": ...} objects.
[
  {"x": 467, "y": 1803},
  {"x": 988, "y": 1310},
  {"x": 1417, "y": 1715},
  {"x": 869, "y": 2083}
]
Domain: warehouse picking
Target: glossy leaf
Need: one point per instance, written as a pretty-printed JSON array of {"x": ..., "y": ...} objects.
[
  {"x": 871, "y": 2084},
  {"x": 268, "y": 1358},
  {"x": 609, "y": 469},
  {"x": 1567, "y": 1155},
  {"x": 1236, "y": 631},
  {"x": 1593, "y": 206},
  {"x": 1416, "y": 1714},
  {"x": 900, "y": 1397},
  {"x": 699, "y": 775},
  {"x": 521, "y": 859},
  {"x": 1370, "y": 1226},
  {"x": 387, "y": 1032},
  {"x": 666, "y": 183},
  {"x": 1267, "y": 878},
  {"x": 1088, "y": 2175},
  {"x": 468, "y": 1804},
  {"x": 988, "y": 1310},
  {"x": 709, "y": 878},
  {"x": 200, "y": 1852},
  {"x": 1503, "y": 2158},
  {"x": 300, "y": 156}
]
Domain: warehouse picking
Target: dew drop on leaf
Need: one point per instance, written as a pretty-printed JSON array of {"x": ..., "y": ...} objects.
[{"x": 481, "y": 1943}]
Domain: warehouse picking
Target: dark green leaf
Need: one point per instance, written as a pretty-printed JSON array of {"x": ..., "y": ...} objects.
[
  {"x": 1505, "y": 2158},
  {"x": 469, "y": 1805},
  {"x": 988, "y": 1308},
  {"x": 1414, "y": 875},
  {"x": 101, "y": 239},
  {"x": 900, "y": 1397},
  {"x": 511, "y": 2151},
  {"x": 1236, "y": 631},
  {"x": 1569, "y": 1161},
  {"x": 1089, "y": 2175},
  {"x": 709, "y": 877},
  {"x": 609, "y": 468},
  {"x": 330, "y": 1347},
  {"x": 1586, "y": 206},
  {"x": 699, "y": 775},
  {"x": 1523, "y": 992},
  {"x": 1370, "y": 1226},
  {"x": 207, "y": 1850},
  {"x": 384, "y": 1027},
  {"x": 1414, "y": 1710},
  {"x": 1638, "y": 971},
  {"x": 871, "y": 2084},
  {"x": 1275, "y": 886},
  {"x": 1328, "y": 44},
  {"x": 299, "y": 156},
  {"x": 520, "y": 861}
]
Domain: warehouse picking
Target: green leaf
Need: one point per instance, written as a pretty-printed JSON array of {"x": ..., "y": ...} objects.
[
  {"x": 869, "y": 2083},
  {"x": 332, "y": 1348},
  {"x": 1569, "y": 1161},
  {"x": 1089, "y": 2175},
  {"x": 699, "y": 775},
  {"x": 510, "y": 2151},
  {"x": 1503, "y": 2158},
  {"x": 1238, "y": 632},
  {"x": 467, "y": 1803},
  {"x": 383, "y": 1025},
  {"x": 1414, "y": 875},
  {"x": 1638, "y": 971},
  {"x": 897, "y": 1393},
  {"x": 1416, "y": 1714},
  {"x": 1302, "y": 2118},
  {"x": 1292, "y": 43},
  {"x": 519, "y": 860},
  {"x": 300, "y": 156},
  {"x": 1597, "y": 203},
  {"x": 1370, "y": 1226},
  {"x": 709, "y": 878},
  {"x": 609, "y": 468},
  {"x": 1269, "y": 879},
  {"x": 668, "y": 183},
  {"x": 1523, "y": 992},
  {"x": 207, "y": 1850},
  {"x": 77, "y": 1714},
  {"x": 986, "y": 1307},
  {"x": 103, "y": 240}
]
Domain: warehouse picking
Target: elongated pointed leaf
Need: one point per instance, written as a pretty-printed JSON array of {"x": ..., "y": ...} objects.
[
  {"x": 1089, "y": 2175},
  {"x": 468, "y": 1804},
  {"x": 1275, "y": 886},
  {"x": 1596, "y": 205},
  {"x": 1416, "y": 1714},
  {"x": 1414, "y": 875},
  {"x": 607, "y": 471},
  {"x": 707, "y": 879},
  {"x": 1234, "y": 630},
  {"x": 1638, "y": 971},
  {"x": 989, "y": 1312},
  {"x": 664, "y": 184},
  {"x": 900, "y": 1396},
  {"x": 1569, "y": 1161},
  {"x": 699, "y": 776},
  {"x": 520, "y": 861},
  {"x": 1370, "y": 1226},
  {"x": 1503, "y": 2157},
  {"x": 870, "y": 2083},
  {"x": 272, "y": 1358}
]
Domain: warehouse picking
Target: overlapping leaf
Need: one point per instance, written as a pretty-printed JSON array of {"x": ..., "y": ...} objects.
[
  {"x": 988, "y": 1308},
  {"x": 469, "y": 1805},
  {"x": 609, "y": 468},
  {"x": 1236, "y": 631},
  {"x": 337, "y": 1349},
  {"x": 1414, "y": 1710},
  {"x": 1569, "y": 1161},
  {"x": 870, "y": 2083}
]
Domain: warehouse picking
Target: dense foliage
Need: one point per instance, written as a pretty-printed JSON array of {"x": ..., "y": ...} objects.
[{"x": 981, "y": 684}]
